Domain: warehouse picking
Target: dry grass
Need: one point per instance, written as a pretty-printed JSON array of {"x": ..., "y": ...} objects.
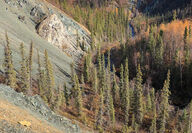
[{"x": 14, "y": 114}]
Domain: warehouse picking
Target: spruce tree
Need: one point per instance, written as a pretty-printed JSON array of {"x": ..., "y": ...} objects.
[
  {"x": 125, "y": 94},
  {"x": 153, "y": 128},
  {"x": 49, "y": 77},
  {"x": 10, "y": 74},
  {"x": 164, "y": 114},
  {"x": 59, "y": 99},
  {"x": 99, "y": 115},
  {"x": 24, "y": 77},
  {"x": 92, "y": 40},
  {"x": 99, "y": 62},
  {"x": 102, "y": 81},
  {"x": 190, "y": 31},
  {"x": 78, "y": 97},
  {"x": 149, "y": 104},
  {"x": 121, "y": 86},
  {"x": 125, "y": 129},
  {"x": 138, "y": 97},
  {"x": 152, "y": 42},
  {"x": 185, "y": 36},
  {"x": 95, "y": 82},
  {"x": 112, "y": 109},
  {"x": 86, "y": 69},
  {"x": 41, "y": 77},
  {"x": 30, "y": 64},
  {"x": 115, "y": 87},
  {"x": 108, "y": 62},
  {"x": 66, "y": 94},
  {"x": 133, "y": 122}
]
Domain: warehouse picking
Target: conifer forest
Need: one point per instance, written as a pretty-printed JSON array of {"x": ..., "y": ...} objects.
[{"x": 135, "y": 75}]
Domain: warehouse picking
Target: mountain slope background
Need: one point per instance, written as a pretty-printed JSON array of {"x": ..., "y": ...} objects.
[
  {"x": 17, "y": 20},
  {"x": 20, "y": 20}
]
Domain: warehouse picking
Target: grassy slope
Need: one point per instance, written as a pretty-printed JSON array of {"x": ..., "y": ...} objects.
[{"x": 13, "y": 115}]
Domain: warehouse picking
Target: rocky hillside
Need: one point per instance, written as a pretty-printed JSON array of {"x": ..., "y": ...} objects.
[
  {"x": 48, "y": 28},
  {"x": 16, "y": 108}
]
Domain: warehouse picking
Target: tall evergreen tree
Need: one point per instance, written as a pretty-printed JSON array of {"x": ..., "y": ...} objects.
[
  {"x": 10, "y": 74},
  {"x": 41, "y": 79},
  {"x": 115, "y": 87},
  {"x": 190, "y": 31},
  {"x": 95, "y": 82},
  {"x": 78, "y": 97},
  {"x": 164, "y": 114},
  {"x": 138, "y": 97},
  {"x": 149, "y": 104},
  {"x": 185, "y": 36},
  {"x": 125, "y": 94},
  {"x": 109, "y": 62},
  {"x": 99, "y": 62},
  {"x": 102, "y": 81},
  {"x": 112, "y": 109},
  {"x": 30, "y": 64},
  {"x": 24, "y": 77},
  {"x": 41, "y": 85},
  {"x": 152, "y": 42},
  {"x": 99, "y": 115},
  {"x": 160, "y": 49},
  {"x": 153, "y": 128},
  {"x": 66, "y": 94},
  {"x": 59, "y": 99},
  {"x": 49, "y": 77},
  {"x": 82, "y": 79},
  {"x": 86, "y": 69},
  {"x": 121, "y": 86}
]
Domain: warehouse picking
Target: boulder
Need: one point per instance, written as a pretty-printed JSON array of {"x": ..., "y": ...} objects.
[
  {"x": 52, "y": 30},
  {"x": 38, "y": 13},
  {"x": 63, "y": 36}
]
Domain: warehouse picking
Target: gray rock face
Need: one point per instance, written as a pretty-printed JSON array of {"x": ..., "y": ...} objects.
[
  {"x": 53, "y": 30},
  {"x": 38, "y": 108},
  {"x": 21, "y": 19}
]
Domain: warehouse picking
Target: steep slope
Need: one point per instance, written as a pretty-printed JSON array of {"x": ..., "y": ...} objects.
[
  {"x": 16, "y": 107},
  {"x": 20, "y": 19}
]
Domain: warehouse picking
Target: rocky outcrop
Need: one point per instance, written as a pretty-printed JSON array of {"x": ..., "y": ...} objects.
[
  {"x": 22, "y": 18},
  {"x": 38, "y": 13},
  {"x": 65, "y": 37},
  {"x": 37, "y": 108},
  {"x": 52, "y": 30}
]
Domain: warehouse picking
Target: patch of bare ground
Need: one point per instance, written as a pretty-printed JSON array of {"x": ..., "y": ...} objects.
[{"x": 13, "y": 115}]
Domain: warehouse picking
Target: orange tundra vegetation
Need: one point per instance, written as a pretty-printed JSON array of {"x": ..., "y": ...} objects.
[{"x": 175, "y": 30}]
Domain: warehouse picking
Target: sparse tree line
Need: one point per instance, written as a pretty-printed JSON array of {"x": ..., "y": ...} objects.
[
  {"x": 159, "y": 51},
  {"x": 113, "y": 99},
  {"x": 22, "y": 80},
  {"x": 136, "y": 105},
  {"x": 107, "y": 25}
]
